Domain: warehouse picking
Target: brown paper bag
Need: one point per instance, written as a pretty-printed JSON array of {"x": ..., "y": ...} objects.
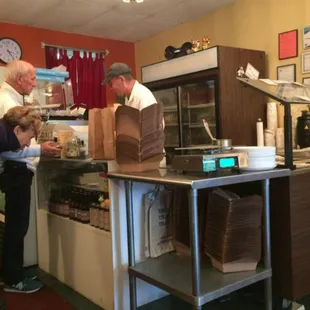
[
  {"x": 108, "y": 128},
  {"x": 95, "y": 134}
]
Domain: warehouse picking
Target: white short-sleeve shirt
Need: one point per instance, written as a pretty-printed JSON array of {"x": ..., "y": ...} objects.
[
  {"x": 9, "y": 98},
  {"x": 140, "y": 97}
]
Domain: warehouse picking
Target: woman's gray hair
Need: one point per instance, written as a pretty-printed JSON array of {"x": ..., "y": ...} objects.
[
  {"x": 17, "y": 68},
  {"x": 24, "y": 117}
]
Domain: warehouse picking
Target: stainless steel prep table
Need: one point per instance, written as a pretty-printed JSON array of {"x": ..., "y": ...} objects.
[{"x": 201, "y": 283}]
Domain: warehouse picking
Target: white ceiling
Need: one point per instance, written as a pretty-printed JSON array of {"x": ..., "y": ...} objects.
[{"x": 106, "y": 18}]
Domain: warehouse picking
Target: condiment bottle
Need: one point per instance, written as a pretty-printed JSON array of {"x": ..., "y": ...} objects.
[
  {"x": 51, "y": 202},
  {"x": 92, "y": 211},
  {"x": 106, "y": 219},
  {"x": 56, "y": 144},
  {"x": 101, "y": 213},
  {"x": 73, "y": 205},
  {"x": 96, "y": 212},
  {"x": 73, "y": 148},
  {"x": 65, "y": 203},
  {"x": 57, "y": 202},
  {"x": 83, "y": 150},
  {"x": 85, "y": 212}
]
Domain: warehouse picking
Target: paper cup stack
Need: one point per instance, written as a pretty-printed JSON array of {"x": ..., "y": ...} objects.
[{"x": 259, "y": 157}]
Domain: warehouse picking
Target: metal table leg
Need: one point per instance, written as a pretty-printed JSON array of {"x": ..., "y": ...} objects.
[
  {"x": 267, "y": 254},
  {"x": 195, "y": 249},
  {"x": 131, "y": 245}
]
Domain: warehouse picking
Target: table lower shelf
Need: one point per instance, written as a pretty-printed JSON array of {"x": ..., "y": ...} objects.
[{"x": 172, "y": 273}]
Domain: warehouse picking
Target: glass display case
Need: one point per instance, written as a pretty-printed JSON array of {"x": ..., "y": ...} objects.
[
  {"x": 75, "y": 189},
  {"x": 53, "y": 94},
  {"x": 48, "y": 94},
  {"x": 286, "y": 93}
]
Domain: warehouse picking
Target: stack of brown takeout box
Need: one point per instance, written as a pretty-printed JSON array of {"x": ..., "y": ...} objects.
[
  {"x": 139, "y": 138},
  {"x": 233, "y": 231}
]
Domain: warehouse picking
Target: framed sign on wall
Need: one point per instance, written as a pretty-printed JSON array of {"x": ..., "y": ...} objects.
[
  {"x": 287, "y": 73},
  {"x": 288, "y": 44}
]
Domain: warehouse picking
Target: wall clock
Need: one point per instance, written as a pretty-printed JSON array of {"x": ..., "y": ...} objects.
[{"x": 9, "y": 50}]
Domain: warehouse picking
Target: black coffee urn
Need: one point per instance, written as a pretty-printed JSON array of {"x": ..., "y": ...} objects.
[{"x": 303, "y": 129}]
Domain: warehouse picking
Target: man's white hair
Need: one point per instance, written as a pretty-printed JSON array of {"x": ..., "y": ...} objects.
[{"x": 17, "y": 68}]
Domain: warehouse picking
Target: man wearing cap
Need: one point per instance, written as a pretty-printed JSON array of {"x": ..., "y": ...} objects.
[
  {"x": 120, "y": 78},
  {"x": 137, "y": 96}
]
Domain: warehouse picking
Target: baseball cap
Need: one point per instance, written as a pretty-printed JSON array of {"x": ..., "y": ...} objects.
[{"x": 116, "y": 69}]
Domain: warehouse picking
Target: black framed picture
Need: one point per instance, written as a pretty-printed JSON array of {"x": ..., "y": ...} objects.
[{"x": 287, "y": 73}]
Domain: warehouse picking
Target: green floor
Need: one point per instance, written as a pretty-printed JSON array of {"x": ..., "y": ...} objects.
[{"x": 250, "y": 298}]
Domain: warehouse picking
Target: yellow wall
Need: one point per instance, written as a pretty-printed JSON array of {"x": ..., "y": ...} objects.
[{"x": 253, "y": 24}]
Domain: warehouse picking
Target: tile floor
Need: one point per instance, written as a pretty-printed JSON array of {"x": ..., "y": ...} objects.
[{"x": 74, "y": 298}]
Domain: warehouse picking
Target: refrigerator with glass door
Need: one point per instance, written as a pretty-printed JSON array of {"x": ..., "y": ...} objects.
[{"x": 185, "y": 106}]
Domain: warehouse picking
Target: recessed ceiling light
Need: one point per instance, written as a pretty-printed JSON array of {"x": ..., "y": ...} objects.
[{"x": 133, "y": 1}]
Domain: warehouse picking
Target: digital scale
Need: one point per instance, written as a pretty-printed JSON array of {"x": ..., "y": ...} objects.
[{"x": 208, "y": 159}]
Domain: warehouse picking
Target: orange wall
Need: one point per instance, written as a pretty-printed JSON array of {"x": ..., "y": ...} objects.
[{"x": 30, "y": 40}]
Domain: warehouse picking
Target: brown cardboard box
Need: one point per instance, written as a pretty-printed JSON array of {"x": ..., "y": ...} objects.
[
  {"x": 138, "y": 124},
  {"x": 139, "y": 152},
  {"x": 139, "y": 138},
  {"x": 129, "y": 165}
]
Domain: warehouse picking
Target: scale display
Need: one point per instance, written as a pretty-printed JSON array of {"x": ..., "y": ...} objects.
[{"x": 214, "y": 164}]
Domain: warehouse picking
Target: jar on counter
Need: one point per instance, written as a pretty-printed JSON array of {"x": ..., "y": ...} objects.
[{"x": 73, "y": 148}]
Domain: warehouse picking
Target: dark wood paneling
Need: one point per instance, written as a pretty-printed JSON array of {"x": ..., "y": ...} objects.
[
  {"x": 300, "y": 229},
  {"x": 239, "y": 107},
  {"x": 290, "y": 236},
  {"x": 281, "y": 247}
]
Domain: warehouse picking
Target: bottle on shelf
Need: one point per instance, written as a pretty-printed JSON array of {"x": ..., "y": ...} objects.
[
  {"x": 73, "y": 205},
  {"x": 96, "y": 212},
  {"x": 84, "y": 210},
  {"x": 106, "y": 217},
  {"x": 101, "y": 213},
  {"x": 83, "y": 150},
  {"x": 93, "y": 213},
  {"x": 66, "y": 202}
]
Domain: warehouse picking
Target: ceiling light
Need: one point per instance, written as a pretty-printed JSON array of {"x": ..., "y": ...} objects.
[{"x": 133, "y": 1}]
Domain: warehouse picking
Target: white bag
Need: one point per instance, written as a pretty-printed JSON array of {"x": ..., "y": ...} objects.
[{"x": 158, "y": 222}]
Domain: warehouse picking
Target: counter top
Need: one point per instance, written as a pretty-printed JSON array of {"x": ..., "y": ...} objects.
[
  {"x": 164, "y": 176},
  {"x": 77, "y": 160}
]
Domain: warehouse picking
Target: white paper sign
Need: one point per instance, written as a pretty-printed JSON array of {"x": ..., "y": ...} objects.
[{"x": 251, "y": 72}]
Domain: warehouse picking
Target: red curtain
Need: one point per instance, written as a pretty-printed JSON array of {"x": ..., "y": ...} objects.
[{"x": 86, "y": 74}]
